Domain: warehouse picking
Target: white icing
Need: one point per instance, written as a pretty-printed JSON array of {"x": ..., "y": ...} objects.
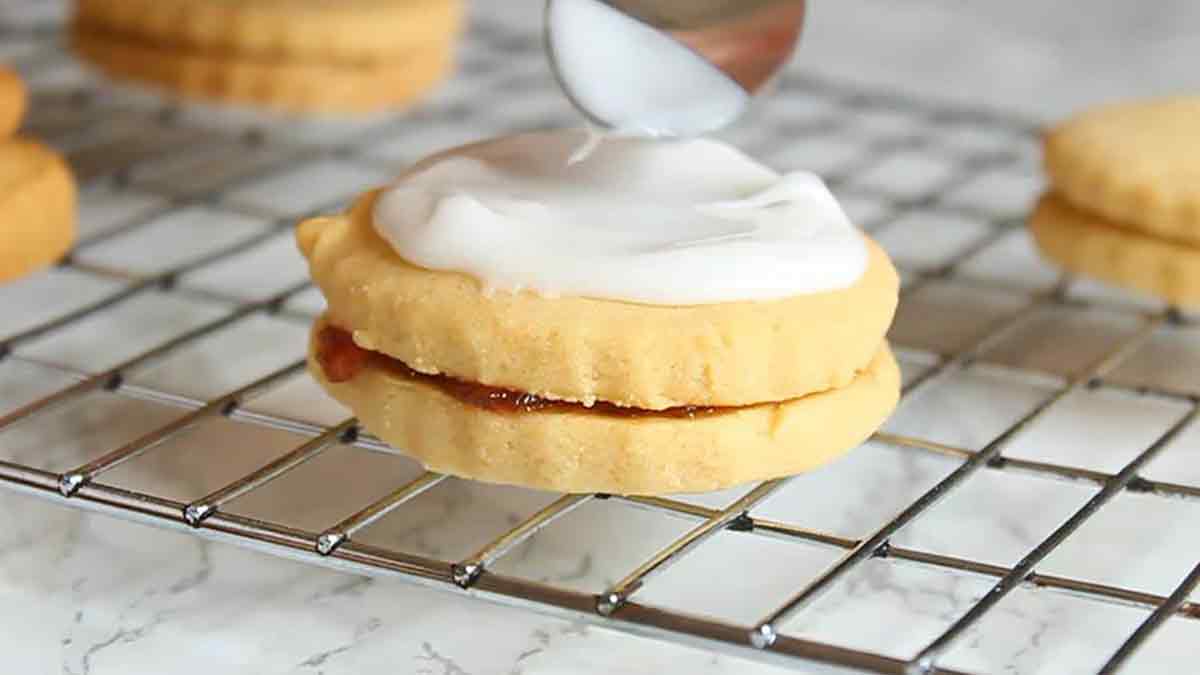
[
  {"x": 634, "y": 79},
  {"x": 658, "y": 222}
]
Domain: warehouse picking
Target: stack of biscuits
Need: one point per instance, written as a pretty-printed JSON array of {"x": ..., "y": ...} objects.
[
  {"x": 292, "y": 55},
  {"x": 37, "y": 192},
  {"x": 1124, "y": 203},
  {"x": 578, "y": 394}
]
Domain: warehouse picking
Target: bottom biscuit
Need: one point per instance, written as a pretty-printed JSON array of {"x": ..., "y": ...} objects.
[
  {"x": 1089, "y": 245},
  {"x": 577, "y": 450},
  {"x": 289, "y": 86},
  {"x": 37, "y": 207}
]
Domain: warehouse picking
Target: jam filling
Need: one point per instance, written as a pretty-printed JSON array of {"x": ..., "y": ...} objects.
[{"x": 342, "y": 360}]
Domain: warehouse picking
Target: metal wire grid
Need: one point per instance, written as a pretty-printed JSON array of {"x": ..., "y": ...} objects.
[{"x": 617, "y": 606}]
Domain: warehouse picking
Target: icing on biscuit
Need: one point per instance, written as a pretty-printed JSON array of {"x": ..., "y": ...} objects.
[{"x": 687, "y": 222}]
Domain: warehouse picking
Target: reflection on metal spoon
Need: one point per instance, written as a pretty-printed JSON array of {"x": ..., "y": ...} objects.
[{"x": 668, "y": 67}]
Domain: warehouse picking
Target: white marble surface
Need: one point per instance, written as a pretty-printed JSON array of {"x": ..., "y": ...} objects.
[{"x": 89, "y": 594}]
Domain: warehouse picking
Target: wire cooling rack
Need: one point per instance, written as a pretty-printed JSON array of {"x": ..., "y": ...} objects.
[{"x": 195, "y": 204}]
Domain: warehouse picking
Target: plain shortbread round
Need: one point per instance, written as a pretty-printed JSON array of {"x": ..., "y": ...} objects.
[
  {"x": 579, "y": 451},
  {"x": 282, "y": 84},
  {"x": 583, "y": 349},
  {"x": 37, "y": 207},
  {"x": 1135, "y": 163},
  {"x": 1088, "y": 245}
]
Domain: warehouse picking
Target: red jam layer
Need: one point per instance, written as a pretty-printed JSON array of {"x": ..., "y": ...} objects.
[{"x": 343, "y": 360}]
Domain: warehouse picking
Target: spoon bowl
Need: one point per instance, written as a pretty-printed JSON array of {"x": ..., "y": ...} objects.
[{"x": 668, "y": 68}]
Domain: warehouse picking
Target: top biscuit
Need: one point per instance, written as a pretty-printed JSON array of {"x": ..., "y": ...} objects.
[
  {"x": 583, "y": 349},
  {"x": 1136, "y": 163},
  {"x": 359, "y": 32},
  {"x": 12, "y": 101}
]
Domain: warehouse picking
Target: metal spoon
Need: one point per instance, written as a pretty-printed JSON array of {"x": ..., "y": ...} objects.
[{"x": 668, "y": 67}]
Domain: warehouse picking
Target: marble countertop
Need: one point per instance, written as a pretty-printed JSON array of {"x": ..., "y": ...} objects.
[{"x": 89, "y": 594}]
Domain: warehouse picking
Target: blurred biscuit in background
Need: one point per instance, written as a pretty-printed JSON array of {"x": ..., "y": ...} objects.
[
  {"x": 1124, "y": 199},
  {"x": 353, "y": 56}
]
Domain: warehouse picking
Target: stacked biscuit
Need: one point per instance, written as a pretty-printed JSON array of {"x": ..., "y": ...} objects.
[
  {"x": 296, "y": 55},
  {"x": 37, "y": 192},
  {"x": 580, "y": 394},
  {"x": 1124, "y": 204}
]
